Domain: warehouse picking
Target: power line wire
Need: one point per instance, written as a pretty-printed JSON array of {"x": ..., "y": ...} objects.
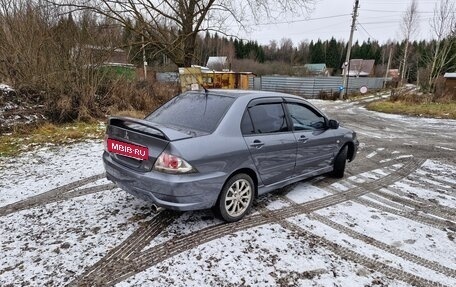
[
  {"x": 390, "y": 11},
  {"x": 362, "y": 27},
  {"x": 392, "y": 21},
  {"x": 300, "y": 20}
]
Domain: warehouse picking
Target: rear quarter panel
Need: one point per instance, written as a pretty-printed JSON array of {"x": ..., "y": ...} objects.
[{"x": 213, "y": 153}]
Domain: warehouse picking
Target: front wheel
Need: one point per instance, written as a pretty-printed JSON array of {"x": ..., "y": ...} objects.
[
  {"x": 236, "y": 198},
  {"x": 339, "y": 163}
]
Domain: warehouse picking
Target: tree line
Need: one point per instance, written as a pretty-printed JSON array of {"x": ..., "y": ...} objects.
[{"x": 330, "y": 52}]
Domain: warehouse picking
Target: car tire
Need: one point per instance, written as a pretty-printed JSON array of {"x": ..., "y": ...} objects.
[
  {"x": 339, "y": 163},
  {"x": 235, "y": 199}
]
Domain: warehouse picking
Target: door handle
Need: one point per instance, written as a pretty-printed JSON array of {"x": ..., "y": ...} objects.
[
  {"x": 303, "y": 139},
  {"x": 257, "y": 144}
]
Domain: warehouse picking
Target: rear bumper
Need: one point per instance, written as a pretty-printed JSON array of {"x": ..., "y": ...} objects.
[{"x": 177, "y": 192}]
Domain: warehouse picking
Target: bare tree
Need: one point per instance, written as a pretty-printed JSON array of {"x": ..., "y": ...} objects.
[
  {"x": 48, "y": 58},
  {"x": 286, "y": 50},
  {"x": 171, "y": 26},
  {"x": 443, "y": 27},
  {"x": 409, "y": 27}
]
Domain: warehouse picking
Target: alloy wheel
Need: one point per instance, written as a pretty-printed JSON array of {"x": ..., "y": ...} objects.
[{"x": 238, "y": 197}]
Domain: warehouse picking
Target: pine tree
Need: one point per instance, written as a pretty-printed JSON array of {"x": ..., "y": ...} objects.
[{"x": 333, "y": 54}]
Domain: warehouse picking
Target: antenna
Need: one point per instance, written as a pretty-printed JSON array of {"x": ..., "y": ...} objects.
[{"x": 188, "y": 69}]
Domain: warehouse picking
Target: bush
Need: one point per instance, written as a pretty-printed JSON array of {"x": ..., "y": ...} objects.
[
  {"x": 59, "y": 62},
  {"x": 123, "y": 95},
  {"x": 331, "y": 96}
]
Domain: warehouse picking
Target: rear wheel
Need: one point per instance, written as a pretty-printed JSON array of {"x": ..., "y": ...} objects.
[
  {"x": 236, "y": 198},
  {"x": 339, "y": 163}
]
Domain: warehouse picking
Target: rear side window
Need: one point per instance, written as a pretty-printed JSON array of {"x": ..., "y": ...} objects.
[
  {"x": 268, "y": 118},
  {"x": 246, "y": 124},
  {"x": 193, "y": 111}
]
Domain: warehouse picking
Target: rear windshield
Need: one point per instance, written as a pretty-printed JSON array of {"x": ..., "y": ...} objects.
[{"x": 193, "y": 111}]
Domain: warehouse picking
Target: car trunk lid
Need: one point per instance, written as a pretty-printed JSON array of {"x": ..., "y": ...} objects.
[{"x": 144, "y": 135}]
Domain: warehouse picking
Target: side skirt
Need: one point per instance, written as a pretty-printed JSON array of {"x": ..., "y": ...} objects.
[{"x": 267, "y": 188}]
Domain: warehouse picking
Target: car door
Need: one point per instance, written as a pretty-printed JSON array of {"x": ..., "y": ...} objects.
[
  {"x": 270, "y": 140},
  {"x": 316, "y": 143}
]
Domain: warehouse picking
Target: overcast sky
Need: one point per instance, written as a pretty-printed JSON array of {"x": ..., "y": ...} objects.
[{"x": 379, "y": 20}]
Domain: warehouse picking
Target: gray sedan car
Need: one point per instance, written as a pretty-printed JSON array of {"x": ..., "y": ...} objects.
[{"x": 221, "y": 148}]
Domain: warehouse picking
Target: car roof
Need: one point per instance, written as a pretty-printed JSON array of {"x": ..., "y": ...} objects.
[{"x": 247, "y": 93}]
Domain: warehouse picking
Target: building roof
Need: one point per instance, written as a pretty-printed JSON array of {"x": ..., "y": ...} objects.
[
  {"x": 450, "y": 75},
  {"x": 320, "y": 67},
  {"x": 360, "y": 67}
]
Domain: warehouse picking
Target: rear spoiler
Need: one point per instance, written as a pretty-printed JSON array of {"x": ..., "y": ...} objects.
[{"x": 148, "y": 128}]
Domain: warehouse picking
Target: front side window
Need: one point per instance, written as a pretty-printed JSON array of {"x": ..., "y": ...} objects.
[
  {"x": 303, "y": 118},
  {"x": 268, "y": 118}
]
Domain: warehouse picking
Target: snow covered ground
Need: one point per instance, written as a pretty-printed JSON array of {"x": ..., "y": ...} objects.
[{"x": 390, "y": 222}]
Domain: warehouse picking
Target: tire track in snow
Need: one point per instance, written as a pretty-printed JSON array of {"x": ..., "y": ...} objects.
[
  {"x": 419, "y": 181},
  {"x": 125, "y": 253},
  {"x": 402, "y": 211},
  {"x": 56, "y": 194},
  {"x": 353, "y": 256},
  {"x": 447, "y": 215},
  {"x": 423, "y": 205},
  {"x": 116, "y": 267},
  {"x": 415, "y": 214},
  {"x": 388, "y": 248}
]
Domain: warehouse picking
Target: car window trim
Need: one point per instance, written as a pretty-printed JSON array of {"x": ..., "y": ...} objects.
[{"x": 262, "y": 101}]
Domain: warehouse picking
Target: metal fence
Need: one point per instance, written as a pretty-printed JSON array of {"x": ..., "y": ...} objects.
[
  {"x": 310, "y": 87},
  {"x": 167, "y": 77}
]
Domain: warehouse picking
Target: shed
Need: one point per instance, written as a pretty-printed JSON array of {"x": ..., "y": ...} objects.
[
  {"x": 213, "y": 79},
  {"x": 450, "y": 83}
]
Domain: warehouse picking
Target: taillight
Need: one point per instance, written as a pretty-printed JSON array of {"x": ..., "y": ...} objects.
[{"x": 172, "y": 164}]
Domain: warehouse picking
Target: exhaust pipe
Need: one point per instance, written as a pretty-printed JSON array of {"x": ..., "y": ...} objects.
[{"x": 156, "y": 209}]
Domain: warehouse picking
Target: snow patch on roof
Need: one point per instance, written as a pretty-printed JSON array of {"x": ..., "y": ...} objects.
[{"x": 450, "y": 75}]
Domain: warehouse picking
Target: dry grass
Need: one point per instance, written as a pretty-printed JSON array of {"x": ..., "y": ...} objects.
[
  {"x": 416, "y": 103},
  {"x": 25, "y": 138},
  {"x": 439, "y": 110},
  {"x": 129, "y": 113}
]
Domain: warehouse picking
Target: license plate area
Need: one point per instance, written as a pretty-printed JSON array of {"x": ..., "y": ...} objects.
[{"x": 128, "y": 149}]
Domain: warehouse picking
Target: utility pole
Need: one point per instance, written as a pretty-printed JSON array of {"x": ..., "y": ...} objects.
[
  {"x": 388, "y": 67},
  {"x": 349, "y": 46},
  {"x": 144, "y": 58}
]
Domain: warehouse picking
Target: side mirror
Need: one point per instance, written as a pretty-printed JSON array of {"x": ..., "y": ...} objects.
[{"x": 333, "y": 124}]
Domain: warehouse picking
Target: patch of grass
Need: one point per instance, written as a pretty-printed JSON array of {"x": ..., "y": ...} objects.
[
  {"x": 130, "y": 113},
  {"x": 439, "y": 110},
  {"x": 25, "y": 138}
]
